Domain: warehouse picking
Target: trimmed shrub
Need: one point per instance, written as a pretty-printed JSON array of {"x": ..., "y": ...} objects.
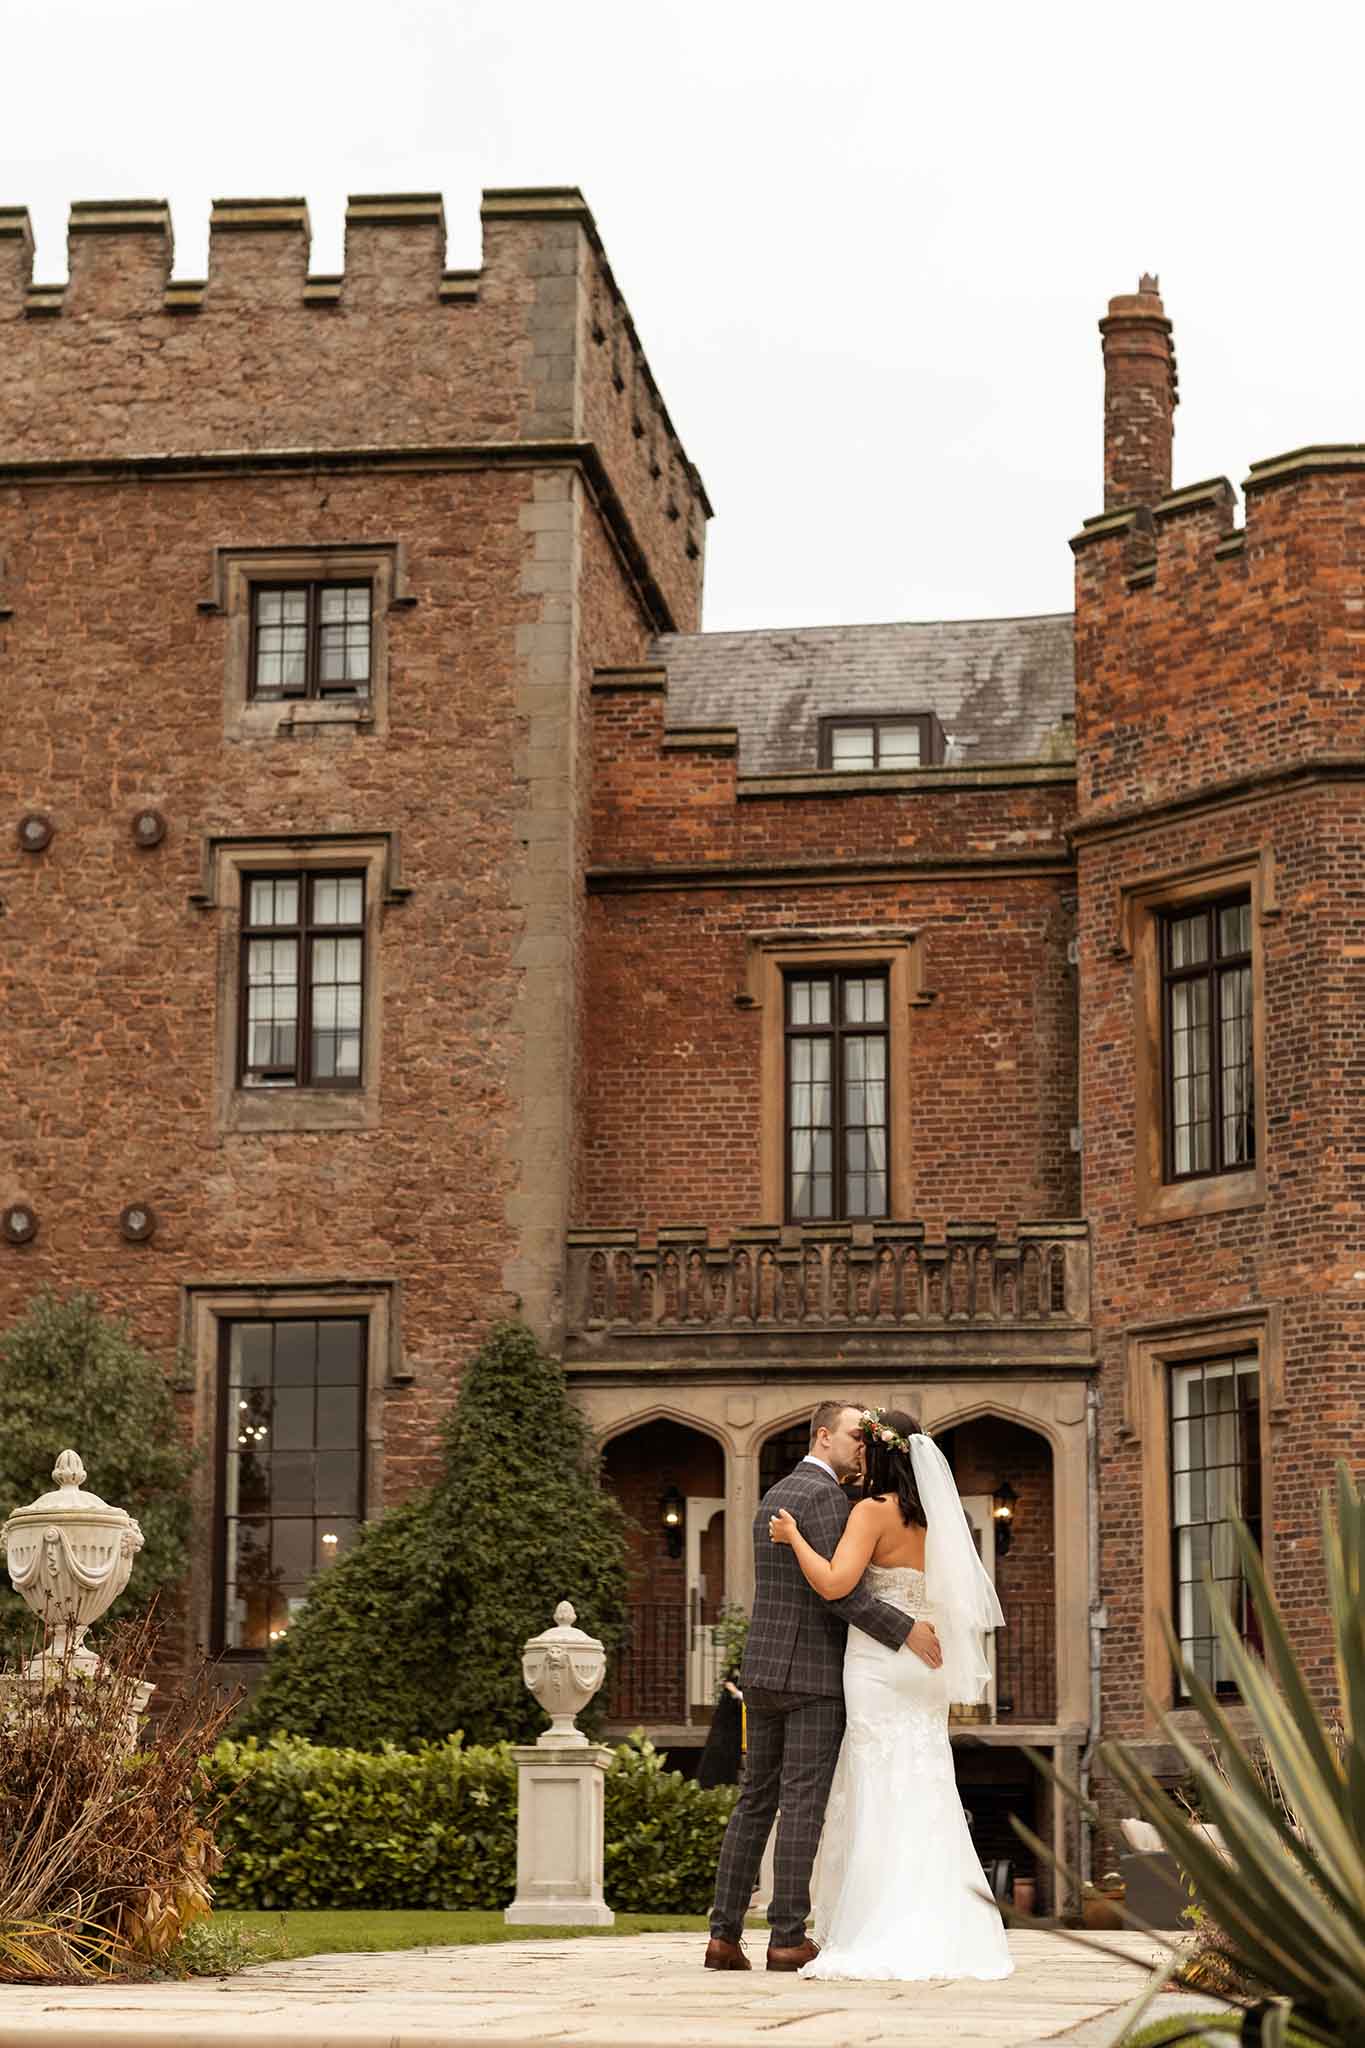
[
  {"x": 419, "y": 1630},
  {"x": 312, "y": 1827},
  {"x": 72, "y": 1378}
]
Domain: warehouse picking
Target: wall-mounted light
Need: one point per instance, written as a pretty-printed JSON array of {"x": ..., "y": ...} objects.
[
  {"x": 137, "y": 1222},
  {"x": 672, "y": 1519},
  {"x": 1002, "y": 1510}
]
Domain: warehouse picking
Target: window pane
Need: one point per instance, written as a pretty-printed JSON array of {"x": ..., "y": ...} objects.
[
  {"x": 1234, "y": 928},
  {"x": 249, "y": 1355},
  {"x": 1189, "y": 939},
  {"x": 899, "y": 746},
  {"x": 1234, "y": 996},
  {"x": 798, "y": 998},
  {"x": 338, "y": 1417},
  {"x": 852, "y": 746},
  {"x": 273, "y": 900},
  {"x": 295, "y": 1354},
  {"x": 291, "y": 1479},
  {"x": 338, "y": 1482},
  {"x": 338, "y": 899},
  {"x": 339, "y": 1354},
  {"x": 1215, "y": 1460}
]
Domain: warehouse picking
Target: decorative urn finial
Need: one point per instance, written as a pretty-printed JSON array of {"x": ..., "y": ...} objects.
[
  {"x": 69, "y": 1556},
  {"x": 563, "y": 1667}
]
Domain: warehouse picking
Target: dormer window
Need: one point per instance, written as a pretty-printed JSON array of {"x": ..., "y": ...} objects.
[{"x": 857, "y": 744}]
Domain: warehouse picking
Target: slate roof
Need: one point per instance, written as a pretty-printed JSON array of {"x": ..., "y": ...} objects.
[{"x": 1001, "y": 687}]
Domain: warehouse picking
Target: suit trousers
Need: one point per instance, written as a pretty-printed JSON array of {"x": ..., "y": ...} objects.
[{"x": 793, "y": 1747}]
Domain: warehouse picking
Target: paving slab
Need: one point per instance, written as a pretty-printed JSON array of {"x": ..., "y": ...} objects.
[{"x": 632, "y": 1991}]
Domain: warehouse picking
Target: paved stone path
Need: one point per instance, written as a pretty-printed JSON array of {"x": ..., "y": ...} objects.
[{"x": 627, "y": 1992}]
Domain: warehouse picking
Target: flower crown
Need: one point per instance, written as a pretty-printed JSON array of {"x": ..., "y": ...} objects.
[{"x": 872, "y": 1428}]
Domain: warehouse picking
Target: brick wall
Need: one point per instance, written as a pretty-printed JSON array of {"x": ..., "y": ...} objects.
[
  {"x": 1217, "y": 719},
  {"x": 672, "y": 1109}
]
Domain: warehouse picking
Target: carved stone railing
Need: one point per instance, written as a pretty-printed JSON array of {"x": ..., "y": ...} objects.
[{"x": 869, "y": 1278}]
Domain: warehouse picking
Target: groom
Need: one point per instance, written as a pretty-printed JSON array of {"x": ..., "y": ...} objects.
[{"x": 793, "y": 1684}]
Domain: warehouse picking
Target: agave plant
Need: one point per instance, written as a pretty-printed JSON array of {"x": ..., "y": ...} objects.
[{"x": 1289, "y": 1896}]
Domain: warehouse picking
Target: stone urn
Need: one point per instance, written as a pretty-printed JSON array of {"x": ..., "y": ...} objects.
[
  {"x": 69, "y": 1557},
  {"x": 563, "y": 1667}
]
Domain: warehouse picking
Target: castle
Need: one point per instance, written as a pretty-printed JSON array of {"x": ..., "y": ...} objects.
[{"x": 412, "y": 917}]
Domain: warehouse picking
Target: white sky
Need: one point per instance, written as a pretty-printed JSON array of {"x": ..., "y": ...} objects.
[{"x": 865, "y": 245}]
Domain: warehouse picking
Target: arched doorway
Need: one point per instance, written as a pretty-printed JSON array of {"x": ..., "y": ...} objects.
[
  {"x": 670, "y": 1479},
  {"x": 1004, "y": 1474}
]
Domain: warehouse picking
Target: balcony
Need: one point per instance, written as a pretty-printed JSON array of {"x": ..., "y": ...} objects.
[{"x": 822, "y": 1290}]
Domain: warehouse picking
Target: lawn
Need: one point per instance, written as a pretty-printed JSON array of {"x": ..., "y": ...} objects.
[{"x": 275, "y": 1937}]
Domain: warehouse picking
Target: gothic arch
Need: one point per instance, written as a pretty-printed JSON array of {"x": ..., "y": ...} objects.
[{"x": 661, "y": 1411}]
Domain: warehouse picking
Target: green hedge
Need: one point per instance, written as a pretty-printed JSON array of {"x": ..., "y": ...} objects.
[{"x": 310, "y": 1827}]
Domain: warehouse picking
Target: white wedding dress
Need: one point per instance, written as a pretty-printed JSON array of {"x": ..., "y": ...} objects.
[{"x": 898, "y": 1890}]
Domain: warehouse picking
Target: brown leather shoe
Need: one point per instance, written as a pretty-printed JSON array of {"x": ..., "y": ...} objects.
[
  {"x": 792, "y": 1958},
  {"x": 725, "y": 1955}
]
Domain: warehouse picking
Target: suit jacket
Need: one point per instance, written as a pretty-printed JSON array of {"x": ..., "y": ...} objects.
[{"x": 796, "y": 1639}]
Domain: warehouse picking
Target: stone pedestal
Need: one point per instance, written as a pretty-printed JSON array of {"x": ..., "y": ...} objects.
[
  {"x": 561, "y": 1791},
  {"x": 560, "y": 1800}
]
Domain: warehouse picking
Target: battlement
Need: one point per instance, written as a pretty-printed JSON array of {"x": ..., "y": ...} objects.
[
  {"x": 1209, "y": 656},
  {"x": 125, "y": 362}
]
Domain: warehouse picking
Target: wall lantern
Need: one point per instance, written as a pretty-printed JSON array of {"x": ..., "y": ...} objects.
[
  {"x": 672, "y": 1516},
  {"x": 1003, "y": 1500}
]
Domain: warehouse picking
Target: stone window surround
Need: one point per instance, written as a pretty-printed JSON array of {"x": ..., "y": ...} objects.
[
  {"x": 206, "y": 1307},
  {"x": 237, "y": 572},
  {"x": 227, "y": 862},
  {"x": 1141, "y": 906},
  {"x": 1150, "y": 1350},
  {"x": 770, "y": 955}
]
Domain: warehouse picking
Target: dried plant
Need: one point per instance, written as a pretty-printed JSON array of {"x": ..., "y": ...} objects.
[{"x": 106, "y": 1850}]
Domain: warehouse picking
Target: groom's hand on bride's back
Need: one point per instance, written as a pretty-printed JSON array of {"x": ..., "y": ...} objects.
[{"x": 923, "y": 1640}]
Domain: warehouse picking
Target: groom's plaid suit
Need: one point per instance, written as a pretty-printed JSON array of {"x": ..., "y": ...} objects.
[{"x": 793, "y": 1684}]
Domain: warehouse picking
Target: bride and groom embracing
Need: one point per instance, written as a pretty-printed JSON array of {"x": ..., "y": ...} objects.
[{"x": 868, "y": 1621}]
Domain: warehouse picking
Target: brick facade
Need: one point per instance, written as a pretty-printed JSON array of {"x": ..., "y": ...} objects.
[{"x": 594, "y": 840}]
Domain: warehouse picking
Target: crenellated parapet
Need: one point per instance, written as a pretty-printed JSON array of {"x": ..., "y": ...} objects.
[
  {"x": 535, "y": 350},
  {"x": 1209, "y": 654}
]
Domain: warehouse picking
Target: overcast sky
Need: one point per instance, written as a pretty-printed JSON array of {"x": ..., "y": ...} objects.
[{"x": 865, "y": 245}]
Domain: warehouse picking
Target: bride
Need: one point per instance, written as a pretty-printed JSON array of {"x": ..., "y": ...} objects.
[{"x": 898, "y": 1890}]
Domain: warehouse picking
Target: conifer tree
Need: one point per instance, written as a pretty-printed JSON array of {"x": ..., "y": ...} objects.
[
  {"x": 72, "y": 1378},
  {"x": 418, "y": 1631}
]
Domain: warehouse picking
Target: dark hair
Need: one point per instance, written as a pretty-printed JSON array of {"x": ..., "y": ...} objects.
[
  {"x": 889, "y": 1471},
  {"x": 826, "y": 1416}
]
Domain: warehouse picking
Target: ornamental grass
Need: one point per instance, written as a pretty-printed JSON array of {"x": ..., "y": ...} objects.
[
  {"x": 1283, "y": 1911},
  {"x": 106, "y": 1852}
]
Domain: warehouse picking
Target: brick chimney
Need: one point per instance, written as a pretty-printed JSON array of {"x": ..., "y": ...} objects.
[{"x": 1140, "y": 397}]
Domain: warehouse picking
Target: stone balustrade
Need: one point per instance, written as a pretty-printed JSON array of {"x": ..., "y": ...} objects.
[{"x": 801, "y": 1279}]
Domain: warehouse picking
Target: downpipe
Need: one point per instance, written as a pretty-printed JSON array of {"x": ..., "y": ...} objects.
[{"x": 1099, "y": 1617}]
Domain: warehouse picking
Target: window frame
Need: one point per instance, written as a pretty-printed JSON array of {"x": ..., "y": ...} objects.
[
  {"x": 1150, "y": 1351},
  {"x": 314, "y": 690},
  {"x": 897, "y": 950},
  {"x": 931, "y": 739},
  {"x": 1141, "y": 905},
  {"x": 218, "y": 1592},
  {"x": 1212, "y": 971},
  {"x": 838, "y": 1033},
  {"x": 305, "y": 930},
  {"x": 236, "y": 573},
  {"x": 204, "y": 1306},
  {"x": 1235, "y": 1360},
  {"x": 229, "y": 865}
]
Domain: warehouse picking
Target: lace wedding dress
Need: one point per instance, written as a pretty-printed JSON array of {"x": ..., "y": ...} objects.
[{"x": 898, "y": 1891}]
